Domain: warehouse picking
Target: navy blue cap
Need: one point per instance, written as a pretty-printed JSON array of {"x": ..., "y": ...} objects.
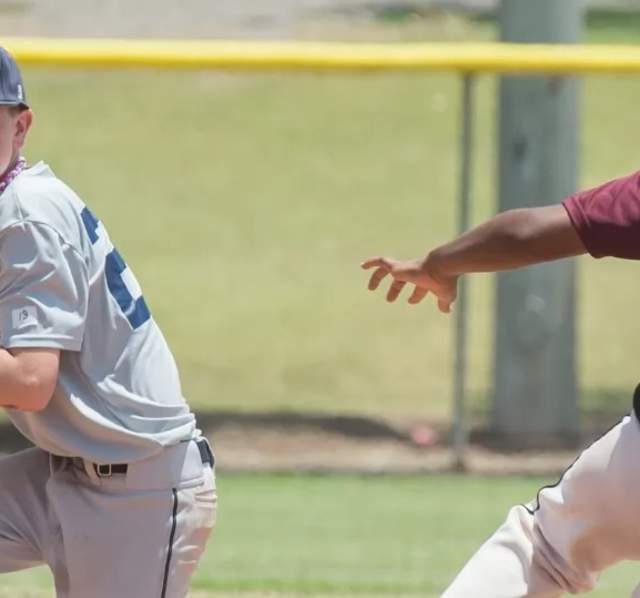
[{"x": 11, "y": 85}]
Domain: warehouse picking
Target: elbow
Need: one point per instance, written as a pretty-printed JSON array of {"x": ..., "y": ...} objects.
[
  {"x": 34, "y": 394},
  {"x": 33, "y": 379},
  {"x": 524, "y": 233},
  {"x": 522, "y": 226}
]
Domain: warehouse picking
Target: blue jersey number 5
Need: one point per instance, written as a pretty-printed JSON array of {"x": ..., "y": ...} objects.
[{"x": 135, "y": 310}]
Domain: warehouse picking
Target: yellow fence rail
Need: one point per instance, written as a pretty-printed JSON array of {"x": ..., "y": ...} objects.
[{"x": 236, "y": 55}]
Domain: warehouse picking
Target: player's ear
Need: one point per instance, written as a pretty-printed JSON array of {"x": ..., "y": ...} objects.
[{"x": 23, "y": 124}]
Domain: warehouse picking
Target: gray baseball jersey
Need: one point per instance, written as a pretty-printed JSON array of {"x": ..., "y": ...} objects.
[{"x": 63, "y": 285}]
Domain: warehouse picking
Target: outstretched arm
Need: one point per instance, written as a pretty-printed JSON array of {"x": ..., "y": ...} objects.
[
  {"x": 605, "y": 221},
  {"x": 510, "y": 240}
]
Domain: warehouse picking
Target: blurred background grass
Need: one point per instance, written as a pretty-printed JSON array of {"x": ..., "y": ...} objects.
[{"x": 245, "y": 203}]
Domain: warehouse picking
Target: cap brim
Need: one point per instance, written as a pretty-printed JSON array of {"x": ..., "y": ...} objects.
[{"x": 12, "y": 103}]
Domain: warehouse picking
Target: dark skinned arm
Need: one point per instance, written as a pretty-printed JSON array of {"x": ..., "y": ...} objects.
[{"x": 510, "y": 240}]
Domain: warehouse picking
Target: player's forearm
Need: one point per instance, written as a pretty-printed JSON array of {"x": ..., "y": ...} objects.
[
  {"x": 27, "y": 378},
  {"x": 510, "y": 240}
]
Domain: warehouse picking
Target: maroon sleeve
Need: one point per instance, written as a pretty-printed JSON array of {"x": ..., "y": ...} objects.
[{"x": 607, "y": 218}]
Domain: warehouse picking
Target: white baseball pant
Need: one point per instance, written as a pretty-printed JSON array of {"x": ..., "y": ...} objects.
[
  {"x": 134, "y": 535},
  {"x": 561, "y": 541}
]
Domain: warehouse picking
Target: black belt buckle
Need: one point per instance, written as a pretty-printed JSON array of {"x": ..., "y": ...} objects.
[
  {"x": 206, "y": 454},
  {"x": 103, "y": 470}
]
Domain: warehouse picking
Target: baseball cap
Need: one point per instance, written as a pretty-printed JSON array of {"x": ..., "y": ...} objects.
[{"x": 11, "y": 85}]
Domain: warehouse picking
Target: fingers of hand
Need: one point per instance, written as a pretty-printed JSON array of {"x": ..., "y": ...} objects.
[
  {"x": 444, "y": 306},
  {"x": 377, "y": 277},
  {"x": 383, "y": 267},
  {"x": 376, "y": 262},
  {"x": 419, "y": 293},
  {"x": 404, "y": 272},
  {"x": 395, "y": 289}
]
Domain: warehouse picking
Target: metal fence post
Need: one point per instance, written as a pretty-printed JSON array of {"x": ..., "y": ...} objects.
[{"x": 460, "y": 432}]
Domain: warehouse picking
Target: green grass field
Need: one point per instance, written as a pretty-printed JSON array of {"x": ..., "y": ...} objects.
[
  {"x": 246, "y": 202},
  {"x": 385, "y": 536}
]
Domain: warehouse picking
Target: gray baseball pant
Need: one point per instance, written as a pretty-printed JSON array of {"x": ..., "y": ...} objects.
[
  {"x": 134, "y": 535},
  {"x": 561, "y": 541}
]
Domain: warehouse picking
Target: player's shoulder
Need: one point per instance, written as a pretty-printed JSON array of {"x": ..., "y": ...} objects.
[{"x": 37, "y": 195}]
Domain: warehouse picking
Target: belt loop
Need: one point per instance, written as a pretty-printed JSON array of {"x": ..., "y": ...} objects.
[
  {"x": 206, "y": 454},
  {"x": 91, "y": 472},
  {"x": 52, "y": 467},
  {"x": 57, "y": 463}
]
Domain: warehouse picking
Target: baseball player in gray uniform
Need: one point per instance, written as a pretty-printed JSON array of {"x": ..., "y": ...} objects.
[
  {"x": 118, "y": 496},
  {"x": 587, "y": 521}
]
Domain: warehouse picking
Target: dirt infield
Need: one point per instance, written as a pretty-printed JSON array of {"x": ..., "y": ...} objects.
[
  {"x": 242, "y": 448},
  {"x": 322, "y": 443},
  {"x": 288, "y": 442}
]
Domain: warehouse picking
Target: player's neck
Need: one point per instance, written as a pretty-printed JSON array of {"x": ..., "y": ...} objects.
[
  {"x": 12, "y": 164},
  {"x": 17, "y": 166}
]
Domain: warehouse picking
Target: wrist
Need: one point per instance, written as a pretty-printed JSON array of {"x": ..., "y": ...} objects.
[{"x": 435, "y": 266}]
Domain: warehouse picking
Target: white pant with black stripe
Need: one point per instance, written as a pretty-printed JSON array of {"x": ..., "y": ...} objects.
[
  {"x": 561, "y": 541},
  {"x": 134, "y": 535}
]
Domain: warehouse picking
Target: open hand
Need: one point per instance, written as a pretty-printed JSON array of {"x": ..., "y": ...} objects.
[{"x": 417, "y": 272}]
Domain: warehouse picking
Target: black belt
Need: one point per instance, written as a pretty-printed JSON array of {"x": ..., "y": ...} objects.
[{"x": 106, "y": 470}]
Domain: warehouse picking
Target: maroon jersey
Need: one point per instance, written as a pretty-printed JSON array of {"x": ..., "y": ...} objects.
[{"x": 607, "y": 218}]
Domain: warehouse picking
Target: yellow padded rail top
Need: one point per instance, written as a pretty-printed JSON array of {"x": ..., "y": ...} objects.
[{"x": 308, "y": 56}]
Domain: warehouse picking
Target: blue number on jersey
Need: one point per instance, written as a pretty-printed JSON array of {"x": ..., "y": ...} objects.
[{"x": 135, "y": 310}]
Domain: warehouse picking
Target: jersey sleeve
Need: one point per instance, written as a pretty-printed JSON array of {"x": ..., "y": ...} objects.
[
  {"x": 607, "y": 218},
  {"x": 44, "y": 287}
]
